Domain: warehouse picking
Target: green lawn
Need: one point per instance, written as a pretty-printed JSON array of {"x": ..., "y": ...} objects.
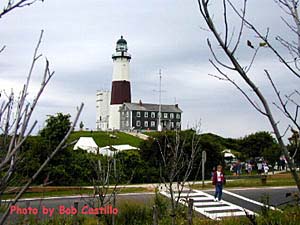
[
  {"x": 284, "y": 179},
  {"x": 103, "y": 138}
]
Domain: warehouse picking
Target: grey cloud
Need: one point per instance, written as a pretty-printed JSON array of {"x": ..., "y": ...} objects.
[{"x": 80, "y": 38}]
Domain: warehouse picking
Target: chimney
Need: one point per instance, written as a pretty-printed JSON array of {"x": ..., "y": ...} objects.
[
  {"x": 140, "y": 102},
  {"x": 176, "y": 105}
]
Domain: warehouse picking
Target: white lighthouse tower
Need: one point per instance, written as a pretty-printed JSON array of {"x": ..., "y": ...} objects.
[{"x": 120, "y": 91}]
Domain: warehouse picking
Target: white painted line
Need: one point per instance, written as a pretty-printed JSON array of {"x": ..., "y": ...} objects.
[
  {"x": 207, "y": 203},
  {"x": 258, "y": 188},
  {"x": 248, "y": 200},
  {"x": 221, "y": 208},
  {"x": 189, "y": 194},
  {"x": 203, "y": 198},
  {"x": 211, "y": 206},
  {"x": 227, "y": 214}
]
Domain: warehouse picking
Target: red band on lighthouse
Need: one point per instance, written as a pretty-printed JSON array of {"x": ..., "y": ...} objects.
[{"x": 120, "y": 92}]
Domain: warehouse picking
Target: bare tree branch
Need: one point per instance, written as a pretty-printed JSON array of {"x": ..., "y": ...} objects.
[
  {"x": 283, "y": 104},
  {"x": 26, "y": 186},
  {"x": 2, "y": 49},
  {"x": 262, "y": 37},
  {"x": 11, "y": 5},
  {"x": 203, "y": 7},
  {"x": 227, "y": 78}
]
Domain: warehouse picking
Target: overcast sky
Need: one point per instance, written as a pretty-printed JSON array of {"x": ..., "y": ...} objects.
[{"x": 80, "y": 38}]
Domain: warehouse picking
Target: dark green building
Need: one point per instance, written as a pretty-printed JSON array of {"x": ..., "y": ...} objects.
[{"x": 144, "y": 116}]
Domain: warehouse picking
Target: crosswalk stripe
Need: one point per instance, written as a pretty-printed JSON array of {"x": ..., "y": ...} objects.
[
  {"x": 222, "y": 208},
  {"x": 204, "y": 204}
]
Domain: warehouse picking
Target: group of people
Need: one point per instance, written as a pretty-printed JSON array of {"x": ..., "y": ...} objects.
[
  {"x": 262, "y": 167},
  {"x": 236, "y": 168}
]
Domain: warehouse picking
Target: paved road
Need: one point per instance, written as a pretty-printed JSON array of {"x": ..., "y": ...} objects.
[{"x": 276, "y": 195}]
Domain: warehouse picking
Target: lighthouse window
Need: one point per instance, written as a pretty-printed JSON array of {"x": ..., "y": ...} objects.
[
  {"x": 146, "y": 124},
  {"x": 138, "y": 114},
  {"x": 152, "y": 114},
  {"x": 138, "y": 123},
  {"x": 146, "y": 115}
]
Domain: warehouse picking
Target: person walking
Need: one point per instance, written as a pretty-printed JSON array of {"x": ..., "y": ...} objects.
[
  {"x": 249, "y": 168},
  {"x": 218, "y": 180}
]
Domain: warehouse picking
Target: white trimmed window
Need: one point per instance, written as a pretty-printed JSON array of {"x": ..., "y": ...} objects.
[
  {"x": 171, "y": 115},
  {"x": 152, "y": 114},
  {"x": 146, "y": 124},
  {"x": 172, "y": 124},
  {"x": 152, "y": 123},
  {"x": 178, "y": 116},
  {"x": 165, "y": 115},
  {"x": 146, "y": 114},
  {"x": 138, "y": 123},
  {"x": 138, "y": 114}
]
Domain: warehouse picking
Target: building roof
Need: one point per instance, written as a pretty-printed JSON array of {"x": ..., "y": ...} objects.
[
  {"x": 122, "y": 41},
  {"x": 153, "y": 107}
]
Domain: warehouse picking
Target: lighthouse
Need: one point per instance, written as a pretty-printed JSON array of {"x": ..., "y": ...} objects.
[{"x": 120, "y": 90}]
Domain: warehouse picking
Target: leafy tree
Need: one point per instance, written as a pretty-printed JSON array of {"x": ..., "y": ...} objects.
[
  {"x": 150, "y": 152},
  {"x": 131, "y": 166},
  {"x": 52, "y": 134},
  {"x": 254, "y": 145},
  {"x": 56, "y": 128},
  {"x": 213, "y": 153},
  {"x": 272, "y": 154}
]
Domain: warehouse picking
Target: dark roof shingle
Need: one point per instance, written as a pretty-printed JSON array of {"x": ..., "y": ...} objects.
[{"x": 153, "y": 107}]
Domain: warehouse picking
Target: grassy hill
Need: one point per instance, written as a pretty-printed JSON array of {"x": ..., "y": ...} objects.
[{"x": 103, "y": 138}]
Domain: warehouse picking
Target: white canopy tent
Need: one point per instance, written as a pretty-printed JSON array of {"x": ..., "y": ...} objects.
[
  {"x": 109, "y": 151},
  {"x": 86, "y": 143},
  {"x": 228, "y": 154}
]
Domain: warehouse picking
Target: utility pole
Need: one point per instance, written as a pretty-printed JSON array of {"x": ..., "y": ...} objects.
[{"x": 203, "y": 166}]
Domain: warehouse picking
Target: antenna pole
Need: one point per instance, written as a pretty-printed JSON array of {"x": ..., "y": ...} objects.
[{"x": 159, "y": 128}]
